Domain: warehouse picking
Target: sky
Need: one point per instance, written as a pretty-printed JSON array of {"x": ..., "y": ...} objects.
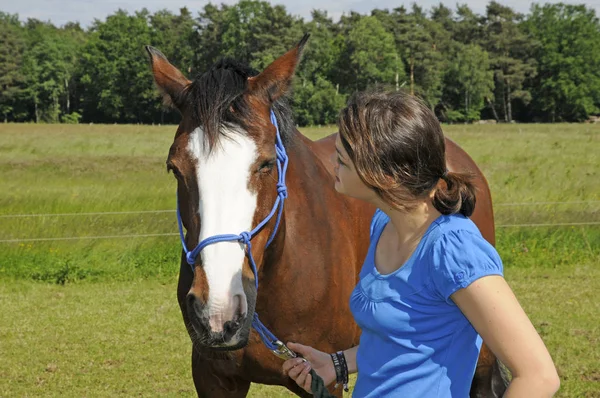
[{"x": 60, "y": 12}]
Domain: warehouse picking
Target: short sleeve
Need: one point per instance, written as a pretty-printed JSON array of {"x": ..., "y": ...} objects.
[
  {"x": 378, "y": 221},
  {"x": 459, "y": 258}
]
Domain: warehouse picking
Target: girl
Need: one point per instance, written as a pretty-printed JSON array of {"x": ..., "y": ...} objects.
[{"x": 431, "y": 286}]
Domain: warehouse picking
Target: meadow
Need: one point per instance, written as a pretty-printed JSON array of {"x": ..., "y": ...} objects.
[{"x": 89, "y": 253}]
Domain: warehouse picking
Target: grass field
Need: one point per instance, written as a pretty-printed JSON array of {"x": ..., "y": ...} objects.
[{"x": 58, "y": 331}]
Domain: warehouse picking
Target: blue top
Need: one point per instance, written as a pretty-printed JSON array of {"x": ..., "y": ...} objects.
[{"x": 415, "y": 341}]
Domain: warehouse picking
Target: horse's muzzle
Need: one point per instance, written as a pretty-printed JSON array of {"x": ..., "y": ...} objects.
[{"x": 216, "y": 332}]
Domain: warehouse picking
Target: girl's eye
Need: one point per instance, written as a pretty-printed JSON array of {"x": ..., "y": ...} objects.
[{"x": 340, "y": 161}]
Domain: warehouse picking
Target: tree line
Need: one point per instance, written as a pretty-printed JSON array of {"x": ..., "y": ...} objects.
[{"x": 542, "y": 66}]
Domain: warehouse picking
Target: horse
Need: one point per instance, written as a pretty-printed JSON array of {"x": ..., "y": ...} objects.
[{"x": 238, "y": 159}]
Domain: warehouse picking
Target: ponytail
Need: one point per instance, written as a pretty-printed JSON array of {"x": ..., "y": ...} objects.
[{"x": 457, "y": 195}]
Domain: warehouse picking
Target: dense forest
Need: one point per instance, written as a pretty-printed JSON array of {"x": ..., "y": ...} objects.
[{"x": 543, "y": 66}]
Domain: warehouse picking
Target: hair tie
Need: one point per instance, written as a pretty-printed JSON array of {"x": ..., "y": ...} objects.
[{"x": 444, "y": 175}]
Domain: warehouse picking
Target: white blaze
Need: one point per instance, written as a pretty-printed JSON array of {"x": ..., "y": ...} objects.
[{"x": 226, "y": 207}]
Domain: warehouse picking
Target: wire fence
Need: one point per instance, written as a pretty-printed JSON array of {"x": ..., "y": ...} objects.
[
  {"x": 86, "y": 237},
  {"x": 546, "y": 203},
  {"x": 98, "y": 213},
  {"x": 557, "y": 224},
  {"x": 26, "y": 240},
  {"x": 106, "y": 213}
]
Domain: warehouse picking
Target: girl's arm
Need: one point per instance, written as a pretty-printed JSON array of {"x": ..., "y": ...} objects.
[{"x": 493, "y": 310}]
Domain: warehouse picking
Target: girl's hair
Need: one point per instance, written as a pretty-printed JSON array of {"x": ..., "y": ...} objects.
[{"x": 398, "y": 149}]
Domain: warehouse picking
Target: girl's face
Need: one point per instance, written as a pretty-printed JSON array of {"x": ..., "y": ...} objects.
[{"x": 347, "y": 180}]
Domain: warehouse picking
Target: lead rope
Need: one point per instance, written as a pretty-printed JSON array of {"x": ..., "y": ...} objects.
[{"x": 317, "y": 386}]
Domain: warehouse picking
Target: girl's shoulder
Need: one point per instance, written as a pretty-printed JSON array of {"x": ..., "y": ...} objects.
[
  {"x": 378, "y": 222},
  {"x": 459, "y": 255}
]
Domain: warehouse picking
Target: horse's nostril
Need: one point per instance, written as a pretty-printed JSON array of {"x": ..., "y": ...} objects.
[
  {"x": 192, "y": 300},
  {"x": 230, "y": 328},
  {"x": 196, "y": 313}
]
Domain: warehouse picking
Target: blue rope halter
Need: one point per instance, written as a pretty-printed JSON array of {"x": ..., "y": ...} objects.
[{"x": 269, "y": 340}]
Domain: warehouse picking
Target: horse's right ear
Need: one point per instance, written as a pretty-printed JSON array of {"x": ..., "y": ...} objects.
[{"x": 171, "y": 82}]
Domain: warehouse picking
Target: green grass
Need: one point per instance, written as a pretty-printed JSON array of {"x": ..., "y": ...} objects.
[
  {"x": 66, "y": 340},
  {"x": 61, "y": 169},
  {"x": 75, "y": 169},
  {"x": 127, "y": 339}
]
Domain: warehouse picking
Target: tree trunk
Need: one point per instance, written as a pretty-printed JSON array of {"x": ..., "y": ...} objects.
[
  {"x": 412, "y": 75},
  {"x": 68, "y": 96},
  {"x": 397, "y": 77},
  {"x": 504, "y": 101},
  {"x": 493, "y": 109},
  {"x": 56, "y": 115},
  {"x": 508, "y": 103},
  {"x": 37, "y": 116}
]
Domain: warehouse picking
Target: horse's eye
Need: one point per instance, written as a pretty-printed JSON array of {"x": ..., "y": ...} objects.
[
  {"x": 175, "y": 171},
  {"x": 267, "y": 166}
]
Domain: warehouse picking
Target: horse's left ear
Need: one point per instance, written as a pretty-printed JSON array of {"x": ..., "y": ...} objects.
[{"x": 275, "y": 80}]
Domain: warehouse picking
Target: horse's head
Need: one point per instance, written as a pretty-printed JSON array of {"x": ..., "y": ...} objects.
[{"x": 224, "y": 159}]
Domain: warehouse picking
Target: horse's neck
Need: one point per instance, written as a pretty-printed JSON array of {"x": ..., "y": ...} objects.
[
  {"x": 311, "y": 197},
  {"x": 307, "y": 181},
  {"x": 310, "y": 173},
  {"x": 322, "y": 239}
]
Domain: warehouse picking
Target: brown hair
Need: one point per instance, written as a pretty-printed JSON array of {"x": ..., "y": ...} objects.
[{"x": 397, "y": 146}]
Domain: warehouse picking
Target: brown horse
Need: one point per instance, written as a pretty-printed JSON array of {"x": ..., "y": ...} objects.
[{"x": 224, "y": 157}]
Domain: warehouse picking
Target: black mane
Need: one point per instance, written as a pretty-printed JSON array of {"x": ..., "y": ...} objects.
[{"x": 215, "y": 93}]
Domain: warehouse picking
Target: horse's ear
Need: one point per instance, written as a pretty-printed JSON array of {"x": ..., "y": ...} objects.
[
  {"x": 274, "y": 81},
  {"x": 171, "y": 82}
]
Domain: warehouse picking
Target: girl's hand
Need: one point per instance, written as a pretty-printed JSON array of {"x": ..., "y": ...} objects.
[{"x": 298, "y": 368}]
